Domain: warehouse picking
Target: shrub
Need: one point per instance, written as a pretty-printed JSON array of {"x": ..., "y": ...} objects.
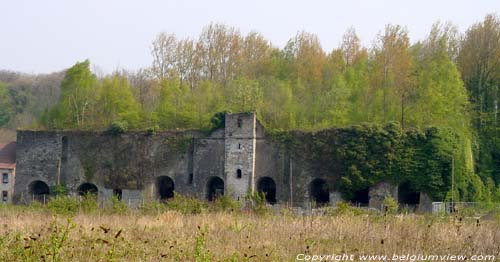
[
  {"x": 225, "y": 203},
  {"x": 88, "y": 203},
  {"x": 186, "y": 205},
  {"x": 390, "y": 205},
  {"x": 343, "y": 208},
  {"x": 59, "y": 190},
  {"x": 153, "y": 207},
  {"x": 118, "y": 127},
  {"x": 64, "y": 205},
  {"x": 258, "y": 204},
  {"x": 117, "y": 206}
]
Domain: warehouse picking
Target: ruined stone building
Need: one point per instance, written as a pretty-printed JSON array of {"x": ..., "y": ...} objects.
[
  {"x": 7, "y": 171},
  {"x": 237, "y": 159}
]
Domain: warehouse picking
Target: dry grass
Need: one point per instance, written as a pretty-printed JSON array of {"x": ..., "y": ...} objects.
[{"x": 31, "y": 235}]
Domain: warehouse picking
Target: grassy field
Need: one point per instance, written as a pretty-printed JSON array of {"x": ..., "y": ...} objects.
[{"x": 168, "y": 234}]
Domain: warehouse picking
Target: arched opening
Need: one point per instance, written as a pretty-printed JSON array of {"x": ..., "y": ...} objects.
[
  {"x": 238, "y": 173},
  {"x": 319, "y": 191},
  {"x": 267, "y": 186},
  {"x": 87, "y": 189},
  {"x": 165, "y": 187},
  {"x": 215, "y": 188},
  {"x": 407, "y": 196},
  {"x": 39, "y": 190},
  {"x": 361, "y": 197}
]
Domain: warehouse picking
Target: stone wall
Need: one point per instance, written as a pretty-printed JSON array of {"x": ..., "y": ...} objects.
[{"x": 133, "y": 162}]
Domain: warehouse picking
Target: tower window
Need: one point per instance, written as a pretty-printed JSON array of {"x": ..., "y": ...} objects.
[
  {"x": 5, "y": 196},
  {"x": 190, "y": 179},
  {"x": 239, "y": 146},
  {"x": 239, "y": 122},
  {"x": 238, "y": 173},
  {"x": 5, "y": 178}
]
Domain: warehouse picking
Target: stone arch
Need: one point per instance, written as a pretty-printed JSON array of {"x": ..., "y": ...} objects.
[
  {"x": 319, "y": 191},
  {"x": 407, "y": 196},
  {"x": 267, "y": 186},
  {"x": 165, "y": 187},
  {"x": 215, "y": 188},
  {"x": 39, "y": 190},
  {"x": 87, "y": 188},
  {"x": 361, "y": 197}
]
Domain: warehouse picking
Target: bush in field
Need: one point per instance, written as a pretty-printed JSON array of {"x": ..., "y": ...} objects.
[
  {"x": 153, "y": 207},
  {"x": 343, "y": 209},
  {"x": 225, "y": 203},
  {"x": 88, "y": 203},
  {"x": 117, "y": 206},
  {"x": 258, "y": 204},
  {"x": 186, "y": 205},
  {"x": 390, "y": 205},
  {"x": 64, "y": 205}
]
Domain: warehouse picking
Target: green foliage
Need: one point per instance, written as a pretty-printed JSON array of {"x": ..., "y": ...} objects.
[
  {"x": 225, "y": 203},
  {"x": 78, "y": 96},
  {"x": 117, "y": 206},
  {"x": 59, "y": 190},
  {"x": 258, "y": 204},
  {"x": 64, "y": 205},
  {"x": 390, "y": 205},
  {"x": 201, "y": 253},
  {"x": 428, "y": 84},
  {"x": 153, "y": 208},
  {"x": 118, "y": 128},
  {"x": 6, "y": 110},
  {"x": 58, "y": 237},
  {"x": 343, "y": 208},
  {"x": 88, "y": 203},
  {"x": 186, "y": 205},
  {"x": 218, "y": 120}
]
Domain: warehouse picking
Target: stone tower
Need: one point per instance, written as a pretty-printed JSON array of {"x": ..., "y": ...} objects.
[{"x": 239, "y": 164}]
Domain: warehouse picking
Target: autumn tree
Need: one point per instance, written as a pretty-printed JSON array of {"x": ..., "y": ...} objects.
[{"x": 392, "y": 68}]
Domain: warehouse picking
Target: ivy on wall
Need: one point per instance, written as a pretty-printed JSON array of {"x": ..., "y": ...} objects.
[{"x": 363, "y": 155}]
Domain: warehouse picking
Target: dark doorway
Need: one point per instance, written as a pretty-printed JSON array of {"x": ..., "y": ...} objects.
[
  {"x": 407, "y": 195},
  {"x": 267, "y": 186},
  {"x": 117, "y": 192},
  {"x": 87, "y": 189},
  {"x": 165, "y": 187},
  {"x": 215, "y": 188},
  {"x": 361, "y": 197},
  {"x": 319, "y": 191},
  {"x": 39, "y": 190}
]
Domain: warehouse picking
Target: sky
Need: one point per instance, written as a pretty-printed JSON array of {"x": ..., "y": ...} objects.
[{"x": 51, "y": 35}]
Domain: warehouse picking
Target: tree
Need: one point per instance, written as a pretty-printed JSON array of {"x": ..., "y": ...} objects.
[
  {"x": 78, "y": 94},
  {"x": 479, "y": 63},
  {"x": 164, "y": 55},
  {"x": 6, "y": 111},
  {"x": 116, "y": 102},
  {"x": 391, "y": 74}
]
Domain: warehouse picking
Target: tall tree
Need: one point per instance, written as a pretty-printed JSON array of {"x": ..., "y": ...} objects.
[
  {"x": 479, "y": 63},
  {"x": 392, "y": 69},
  {"x": 116, "y": 102},
  {"x": 78, "y": 94}
]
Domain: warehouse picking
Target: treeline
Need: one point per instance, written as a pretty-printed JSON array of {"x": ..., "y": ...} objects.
[{"x": 448, "y": 80}]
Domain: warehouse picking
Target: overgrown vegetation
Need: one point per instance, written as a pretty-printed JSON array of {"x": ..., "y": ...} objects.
[{"x": 442, "y": 91}]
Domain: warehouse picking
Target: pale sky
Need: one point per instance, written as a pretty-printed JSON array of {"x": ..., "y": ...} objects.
[{"x": 45, "y": 36}]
